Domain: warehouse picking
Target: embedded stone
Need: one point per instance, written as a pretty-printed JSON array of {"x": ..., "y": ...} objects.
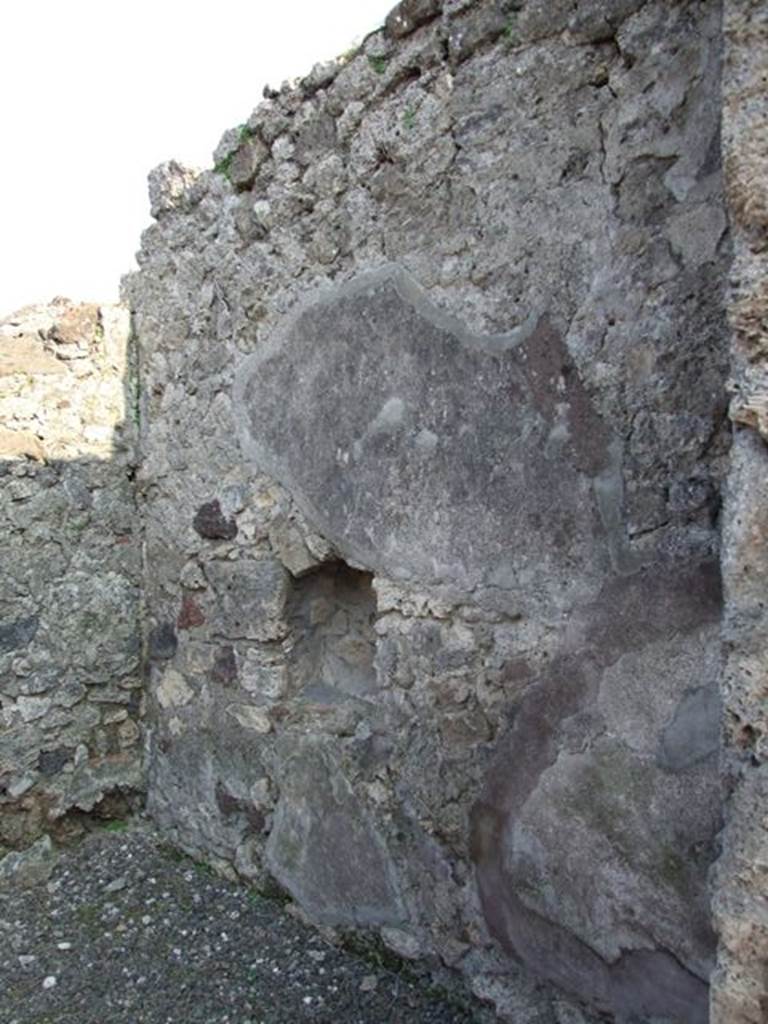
[
  {"x": 26, "y": 354},
  {"x": 250, "y": 717},
  {"x": 251, "y": 597},
  {"x": 49, "y": 762},
  {"x": 18, "y": 633},
  {"x": 163, "y": 641},
  {"x": 76, "y": 325},
  {"x": 169, "y": 185},
  {"x": 409, "y": 15},
  {"x": 128, "y": 733},
  {"x": 289, "y": 545},
  {"x": 229, "y": 804},
  {"x": 324, "y": 847},
  {"x": 20, "y": 443},
  {"x": 173, "y": 690},
  {"x": 33, "y": 708},
  {"x": 245, "y": 162},
  {"x": 224, "y": 668},
  {"x": 30, "y": 867},
  {"x": 191, "y": 614},
  {"x": 211, "y": 523}
]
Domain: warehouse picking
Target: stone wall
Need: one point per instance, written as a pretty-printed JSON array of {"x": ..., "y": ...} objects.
[
  {"x": 433, "y": 448},
  {"x": 433, "y": 441},
  {"x": 740, "y": 984},
  {"x": 70, "y": 682}
]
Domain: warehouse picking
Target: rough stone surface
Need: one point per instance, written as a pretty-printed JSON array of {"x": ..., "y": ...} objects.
[
  {"x": 454, "y": 600},
  {"x": 601, "y": 769},
  {"x": 408, "y": 15},
  {"x": 445, "y": 362},
  {"x": 740, "y": 983},
  {"x": 70, "y": 677},
  {"x": 324, "y": 846},
  {"x": 32, "y": 866}
]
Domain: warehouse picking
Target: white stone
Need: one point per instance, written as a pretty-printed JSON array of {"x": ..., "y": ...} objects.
[
  {"x": 250, "y": 717},
  {"x": 259, "y": 793},
  {"x": 173, "y": 691},
  {"x": 32, "y": 708},
  {"x": 20, "y": 786}
]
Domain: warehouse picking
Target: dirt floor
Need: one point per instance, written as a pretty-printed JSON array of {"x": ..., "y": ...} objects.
[{"x": 128, "y": 931}]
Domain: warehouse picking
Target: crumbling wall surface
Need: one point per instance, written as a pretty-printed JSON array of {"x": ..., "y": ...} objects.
[
  {"x": 740, "y": 984},
  {"x": 69, "y": 571},
  {"x": 433, "y": 435}
]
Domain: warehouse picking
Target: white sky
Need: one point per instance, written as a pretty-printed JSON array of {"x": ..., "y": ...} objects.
[{"x": 94, "y": 93}]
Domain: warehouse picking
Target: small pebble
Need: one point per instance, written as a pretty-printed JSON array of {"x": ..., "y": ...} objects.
[
  {"x": 269, "y": 951},
  {"x": 116, "y": 885}
]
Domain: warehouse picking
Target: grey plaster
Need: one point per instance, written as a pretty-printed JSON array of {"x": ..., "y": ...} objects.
[{"x": 444, "y": 455}]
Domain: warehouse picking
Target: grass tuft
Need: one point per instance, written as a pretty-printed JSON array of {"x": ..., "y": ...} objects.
[
  {"x": 379, "y": 64},
  {"x": 116, "y": 825}
]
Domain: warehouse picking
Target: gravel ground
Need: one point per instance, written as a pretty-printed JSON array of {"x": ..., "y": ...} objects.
[{"x": 127, "y": 931}]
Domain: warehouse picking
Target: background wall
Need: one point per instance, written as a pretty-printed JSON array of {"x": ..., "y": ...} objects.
[{"x": 70, "y": 647}]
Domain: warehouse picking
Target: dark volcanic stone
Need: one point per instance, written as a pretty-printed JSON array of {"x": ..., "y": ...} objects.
[
  {"x": 52, "y": 761},
  {"x": 211, "y": 523},
  {"x": 224, "y": 668},
  {"x": 18, "y": 634},
  {"x": 163, "y": 641}
]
